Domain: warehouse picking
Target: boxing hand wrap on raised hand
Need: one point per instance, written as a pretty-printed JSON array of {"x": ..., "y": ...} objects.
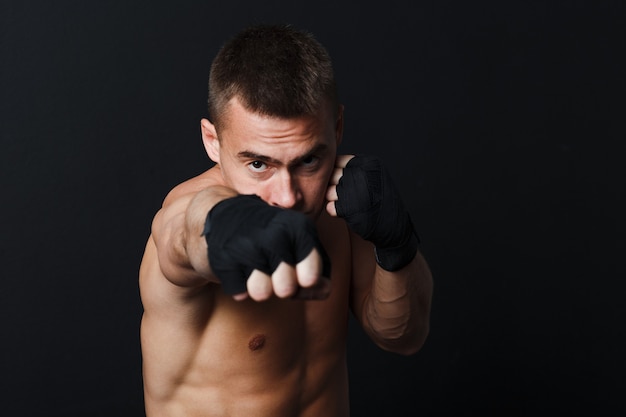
[
  {"x": 371, "y": 206},
  {"x": 244, "y": 233}
]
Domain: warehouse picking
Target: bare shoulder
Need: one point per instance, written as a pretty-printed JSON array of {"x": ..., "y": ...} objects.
[{"x": 193, "y": 185}]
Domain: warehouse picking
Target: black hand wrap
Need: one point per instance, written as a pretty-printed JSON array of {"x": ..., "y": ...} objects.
[
  {"x": 244, "y": 233},
  {"x": 370, "y": 203}
]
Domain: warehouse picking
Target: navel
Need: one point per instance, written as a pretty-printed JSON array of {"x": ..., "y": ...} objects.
[{"x": 257, "y": 342}]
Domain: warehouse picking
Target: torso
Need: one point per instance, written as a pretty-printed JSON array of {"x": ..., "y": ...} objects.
[{"x": 205, "y": 354}]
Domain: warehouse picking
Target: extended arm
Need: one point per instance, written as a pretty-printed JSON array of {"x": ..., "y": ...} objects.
[
  {"x": 249, "y": 247},
  {"x": 177, "y": 232}
]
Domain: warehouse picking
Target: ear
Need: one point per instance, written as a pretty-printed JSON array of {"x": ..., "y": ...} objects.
[
  {"x": 339, "y": 125},
  {"x": 210, "y": 140}
]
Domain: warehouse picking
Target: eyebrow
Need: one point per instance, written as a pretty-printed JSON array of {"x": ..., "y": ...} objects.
[{"x": 320, "y": 148}]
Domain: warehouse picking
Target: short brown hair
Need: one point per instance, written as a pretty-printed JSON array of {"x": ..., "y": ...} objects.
[{"x": 274, "y": 70}]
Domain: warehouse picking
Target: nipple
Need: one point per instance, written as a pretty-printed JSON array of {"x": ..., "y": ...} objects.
[{"x": 257, "y": 342}]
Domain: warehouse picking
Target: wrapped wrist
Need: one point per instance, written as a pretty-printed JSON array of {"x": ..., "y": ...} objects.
[{"x": 395, "y": 258}]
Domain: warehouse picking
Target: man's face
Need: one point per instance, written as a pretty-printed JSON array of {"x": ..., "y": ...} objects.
[{"x": 286, "y": 162}]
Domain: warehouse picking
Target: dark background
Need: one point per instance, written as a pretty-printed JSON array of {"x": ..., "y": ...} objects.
[{"x": 503, "y": 123}]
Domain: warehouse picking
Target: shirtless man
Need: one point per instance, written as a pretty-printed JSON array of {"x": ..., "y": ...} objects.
[{"x": 252, "y": 267}]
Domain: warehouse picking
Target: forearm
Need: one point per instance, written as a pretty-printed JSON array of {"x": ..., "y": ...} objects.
[{"x": 397, "y": 310}]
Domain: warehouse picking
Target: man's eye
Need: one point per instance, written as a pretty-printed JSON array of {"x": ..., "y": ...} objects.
[
  {"x": 310, "y": 160},
  {"x": 257, "y": 166}
]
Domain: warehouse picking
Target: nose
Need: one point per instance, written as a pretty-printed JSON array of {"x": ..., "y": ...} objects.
[{"x": 285, "y": 192}]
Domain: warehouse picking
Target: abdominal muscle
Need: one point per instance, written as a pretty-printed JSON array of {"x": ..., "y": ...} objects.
[{"x": 208, "y": 355}]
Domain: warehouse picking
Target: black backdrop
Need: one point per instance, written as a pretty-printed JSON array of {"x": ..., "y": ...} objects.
[{"x": 502, "y": 121}]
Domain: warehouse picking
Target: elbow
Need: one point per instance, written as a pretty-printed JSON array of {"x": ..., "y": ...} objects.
[
  {"x": 411, "y": 348},
  {"x": 407, "y": 344}
]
